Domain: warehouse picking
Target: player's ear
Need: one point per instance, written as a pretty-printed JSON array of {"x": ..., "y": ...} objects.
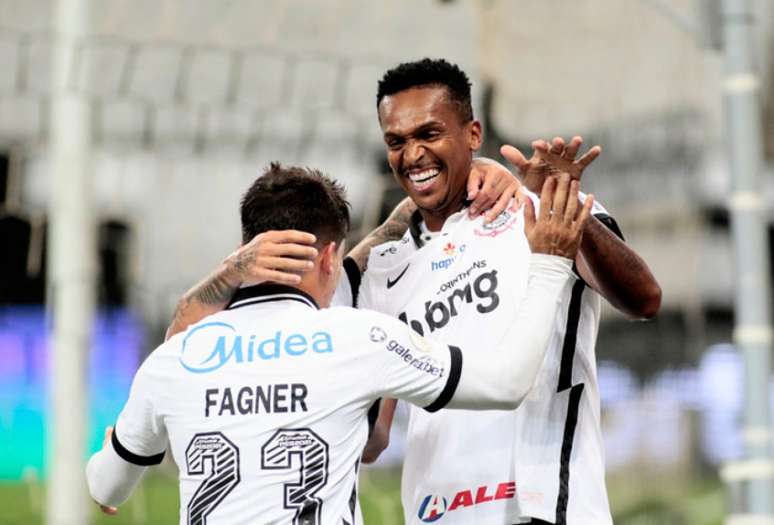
[
  {"x": 327, "y": 258},
  {"x": 476, "y": 135}
]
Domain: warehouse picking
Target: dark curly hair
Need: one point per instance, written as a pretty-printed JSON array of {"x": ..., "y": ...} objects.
[
  {"x": 429, "y": 72},
  {"x": 295, "y": 198}
]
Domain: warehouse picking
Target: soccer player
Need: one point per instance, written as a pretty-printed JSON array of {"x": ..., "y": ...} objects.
[
  {"x": 264, "y": 405},
  {"x": 457, "y": 277}
]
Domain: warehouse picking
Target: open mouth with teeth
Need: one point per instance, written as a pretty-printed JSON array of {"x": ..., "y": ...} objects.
[{"x": 423, "y": 179}]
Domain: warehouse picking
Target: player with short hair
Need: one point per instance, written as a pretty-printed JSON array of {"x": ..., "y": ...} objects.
[{"x": 264, "y": 405}]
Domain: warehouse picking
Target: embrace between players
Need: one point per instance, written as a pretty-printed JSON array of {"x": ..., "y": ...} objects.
[{"x": 488, "y": 292}]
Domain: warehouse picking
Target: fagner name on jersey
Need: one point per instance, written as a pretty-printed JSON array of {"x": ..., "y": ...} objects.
[
  {"x": 439, "y": 313},
  {"x": 267, "y": 399},
  {"x": 209, "y": 346}
]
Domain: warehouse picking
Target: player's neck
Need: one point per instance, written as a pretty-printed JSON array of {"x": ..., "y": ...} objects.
[{"x": 435, "y": 219}]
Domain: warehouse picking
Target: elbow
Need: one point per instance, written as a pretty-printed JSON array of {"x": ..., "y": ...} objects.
[{"x": 650, "y": 303}]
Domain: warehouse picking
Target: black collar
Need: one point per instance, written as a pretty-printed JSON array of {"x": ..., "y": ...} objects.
[
  {"x": 266, "y": 293},
  {"x": 416, "y": 230}
]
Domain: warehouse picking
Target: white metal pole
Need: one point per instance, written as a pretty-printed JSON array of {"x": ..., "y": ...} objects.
[
  {"x": 72, "y": 271},
  {"x": 752, "y": 330}
]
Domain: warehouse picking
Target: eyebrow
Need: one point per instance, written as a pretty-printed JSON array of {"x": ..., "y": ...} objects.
[{"x": 420, "y": 129}]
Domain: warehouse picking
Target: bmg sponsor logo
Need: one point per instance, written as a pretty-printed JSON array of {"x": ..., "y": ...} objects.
[
  {"x": 209, "y": 346},
  {"x": 482, "y": 291},
  {"x": 450, "y": 251},
  {"x": 433, "y": 507}
]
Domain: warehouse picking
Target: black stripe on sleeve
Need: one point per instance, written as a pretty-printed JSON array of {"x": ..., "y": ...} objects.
[
  {"x": 564, "y": 466},
  {"x": 455, "y": 370},
  {"x": 570, "y": 336},
  {"x": 131, "y": 457},
  {"x": 353, "y": 274},
  {"x": 610, "y": 224}
]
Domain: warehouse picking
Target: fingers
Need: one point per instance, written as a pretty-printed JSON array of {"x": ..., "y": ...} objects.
[
  {"x": 297, "y": 251},
  {"x": 541, "y": 146},
  {"x": 560, "y": 198},
  {"x": 502, "y": 202},
  {"x": 585, "y": 213},
  {"x": 474, "y": 182},
  {"x": 529, "y": 215},
  {"x": 287, "y": 236},
  {"x": 572, "y": 202},
  {"x": 108, "y": 435},
  {"x": 277, "y": 276},
  {"x": 547, "y": 199},
  {"x": 572, "y": 148},
  {"x": 557, "y": 146},
  {"x": 485, "y": 198},
  {"x": 514, "y": 156},
  {"x": 285, "y": 263},
  {"x": 111, "y": 511},
  {"x": 589, "y": 157}
]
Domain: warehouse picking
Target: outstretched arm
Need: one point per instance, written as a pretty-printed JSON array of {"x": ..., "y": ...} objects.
[{"x": 604, "y": 260}]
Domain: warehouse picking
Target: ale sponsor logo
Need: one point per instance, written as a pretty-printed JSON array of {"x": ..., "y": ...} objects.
[{"x": 433, "y": 507}]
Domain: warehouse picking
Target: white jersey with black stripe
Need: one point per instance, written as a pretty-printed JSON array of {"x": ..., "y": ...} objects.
[
  {"x": 543, "y": 460},
  {"x": 265, "y": 404}
]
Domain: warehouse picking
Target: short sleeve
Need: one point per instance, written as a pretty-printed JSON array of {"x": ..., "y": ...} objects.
[
  {"x": 348, "y": 287},
  {"x": 601, "y": 213},
  {"x": 413, "y": 368},
  {"x": 139, "y": 436}
]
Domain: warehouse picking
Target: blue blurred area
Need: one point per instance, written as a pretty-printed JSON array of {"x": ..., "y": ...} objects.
[{"x": 25, "y": 357}]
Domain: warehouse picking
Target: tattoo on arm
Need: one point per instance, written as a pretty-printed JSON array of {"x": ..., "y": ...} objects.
[
  {"x": 390, "y": 230},
  {"x": 209, "y": 296}
]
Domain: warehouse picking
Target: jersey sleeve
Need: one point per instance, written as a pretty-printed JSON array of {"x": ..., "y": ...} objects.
[
  {"x": 412, "y": 368},
  {"x": 601, "y": 213},
  {"x": 140, "y": 436},
  {"x": 348, "y": 287}
]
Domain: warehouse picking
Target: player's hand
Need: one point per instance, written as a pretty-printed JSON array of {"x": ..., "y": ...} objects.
[
  {"x": 491, "y": 187},
  {"x": 558, "y": 228},
  {"x": 277, "y": 256},
  {"x": 105, "y": 442},
  {"x": 550, "y": 159}
]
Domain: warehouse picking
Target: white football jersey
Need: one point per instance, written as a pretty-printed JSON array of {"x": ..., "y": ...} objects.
[
  {"x": 264, "y": 406},
  {"x": 543, "y": 460}
]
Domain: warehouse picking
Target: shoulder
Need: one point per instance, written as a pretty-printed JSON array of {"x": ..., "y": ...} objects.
[{"x": 390, "y": 253}]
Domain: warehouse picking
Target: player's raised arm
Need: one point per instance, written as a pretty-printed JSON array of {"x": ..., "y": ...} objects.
[
  {"x": 277, "y": 256},
  {"x": 604, "y": 260}
]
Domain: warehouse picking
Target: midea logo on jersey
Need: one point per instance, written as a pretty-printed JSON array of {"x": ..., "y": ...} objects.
[
  {"x": 433, "y": 507},
  {"x": 449, "y": 249},
  {"x": 438, "y": 314},
  {"x": 211, "y": 345}
]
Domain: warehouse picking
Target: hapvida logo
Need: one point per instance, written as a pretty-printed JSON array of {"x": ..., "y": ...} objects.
[
  {"x": 450, "y": 250},
  {"x": 433, "y": 507},
  {"x": 209, "y": 346}
]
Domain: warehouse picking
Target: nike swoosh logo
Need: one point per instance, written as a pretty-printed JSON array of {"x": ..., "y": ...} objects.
[{"x": 391, "y": 283}]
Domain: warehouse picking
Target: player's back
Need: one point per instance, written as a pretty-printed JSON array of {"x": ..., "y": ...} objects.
[{"x": 265, "y": 405}]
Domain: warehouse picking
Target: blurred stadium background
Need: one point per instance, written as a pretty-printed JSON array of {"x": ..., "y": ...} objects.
[{"x": 187, "y": 101}]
